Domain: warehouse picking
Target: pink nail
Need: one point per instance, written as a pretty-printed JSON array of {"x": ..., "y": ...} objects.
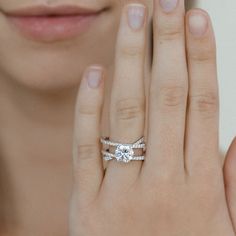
[
  {"x": 94, "y": 76},
  {"x": 198, "y": 24},
  {"x": 168, "y": 5},
  {"x": 136, "y": 16}
]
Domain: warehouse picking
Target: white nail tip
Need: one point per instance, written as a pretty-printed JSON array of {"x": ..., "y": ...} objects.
[{"x": 136, "y": 15}]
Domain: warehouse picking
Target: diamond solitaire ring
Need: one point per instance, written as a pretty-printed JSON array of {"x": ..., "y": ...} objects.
[{"x": 124, "y": 152}]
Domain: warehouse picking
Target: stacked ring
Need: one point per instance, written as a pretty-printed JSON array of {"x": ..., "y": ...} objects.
[{"x": 124, "y": 152}]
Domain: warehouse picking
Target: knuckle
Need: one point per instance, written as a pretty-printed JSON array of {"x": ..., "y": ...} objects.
[
  {"x": 170, "y": 32},
  {"x": 87, "y": 151},
  {"x": 172, "y": 96},
  {"x": 205, "y": 103},
  {"x": 128, "y": 109},
  {"x": 89, "y": 105},
  {"x": 132, "y": 51},
  {"x": 206, "y": 55}
]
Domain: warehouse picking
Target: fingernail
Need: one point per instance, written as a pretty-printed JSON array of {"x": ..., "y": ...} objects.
[
  {"x": 136, "y": 16},
  {"x": 168, "y": 5},
  {"x": 94, "y": 76},
  {"x": 198, "y": 24}
]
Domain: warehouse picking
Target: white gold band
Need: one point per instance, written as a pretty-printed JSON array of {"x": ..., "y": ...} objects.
[
  {"x": 109, "y": 156},
  {"x": 123, "y": 152},
  {"x": 139, "y": 144}
]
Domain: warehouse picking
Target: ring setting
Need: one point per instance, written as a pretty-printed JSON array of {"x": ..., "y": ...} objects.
[{"x": 123, "y": 152}]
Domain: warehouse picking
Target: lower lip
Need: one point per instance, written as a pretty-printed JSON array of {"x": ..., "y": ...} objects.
[{"x": 52, "y": 28}]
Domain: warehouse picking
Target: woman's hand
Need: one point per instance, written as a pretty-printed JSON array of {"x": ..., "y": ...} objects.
[
  {"x": 179, "y": 189},
  {"x": 230, "y": 180}
]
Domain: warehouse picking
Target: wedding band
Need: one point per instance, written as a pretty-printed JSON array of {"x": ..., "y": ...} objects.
[{"x": 124, "y": 152}]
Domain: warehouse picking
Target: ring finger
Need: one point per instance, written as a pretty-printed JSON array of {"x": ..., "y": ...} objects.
[{"x": 127, "y": 110}]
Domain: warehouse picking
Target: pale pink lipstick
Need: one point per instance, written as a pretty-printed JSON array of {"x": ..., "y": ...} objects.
[{"x": 52, "y": 24}]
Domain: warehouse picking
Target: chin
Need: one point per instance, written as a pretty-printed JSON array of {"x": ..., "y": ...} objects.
[{"x": 51, "y": 67}]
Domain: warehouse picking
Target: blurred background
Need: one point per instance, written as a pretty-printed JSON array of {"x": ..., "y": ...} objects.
[{"x": 223, "y": 14}]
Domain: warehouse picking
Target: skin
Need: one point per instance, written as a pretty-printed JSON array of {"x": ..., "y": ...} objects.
[{"x": 178, "y": 191}]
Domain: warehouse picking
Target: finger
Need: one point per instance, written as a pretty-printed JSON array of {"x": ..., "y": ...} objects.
[
  {"x": 169, "y": 87},
  {"x": 203, "y": 118},
  {"x": 230, "y": 180},
  {"x": 87, "y": 160},
  {"x": 127, "y": 111}
]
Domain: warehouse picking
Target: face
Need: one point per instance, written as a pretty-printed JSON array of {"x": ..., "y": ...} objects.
[{"x": 49, "y": 60}]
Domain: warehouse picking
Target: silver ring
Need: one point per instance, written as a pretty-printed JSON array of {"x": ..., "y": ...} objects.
[{"x": 124, "y": 152}]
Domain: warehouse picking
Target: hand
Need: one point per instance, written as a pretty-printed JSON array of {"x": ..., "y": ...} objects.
[
  {"x": 230, "y": 180},
  {"x": 179, "y": 189}
]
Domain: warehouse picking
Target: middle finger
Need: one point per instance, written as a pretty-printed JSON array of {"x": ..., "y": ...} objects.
[{"x": 169, "y": 89}]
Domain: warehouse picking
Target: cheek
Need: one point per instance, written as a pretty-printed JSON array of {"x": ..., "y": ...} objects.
[{"x": 56, "y": 65}]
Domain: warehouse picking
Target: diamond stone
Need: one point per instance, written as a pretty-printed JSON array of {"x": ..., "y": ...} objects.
[{"x": 124, "y": 153}]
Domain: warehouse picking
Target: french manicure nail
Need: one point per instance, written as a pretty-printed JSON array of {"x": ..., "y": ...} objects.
[
  {"x": 136, "y": 16},
  {"x": 168, "y": 5},
  {"x": 94, "y": 77},
  {"x": 198, "y": 24}
]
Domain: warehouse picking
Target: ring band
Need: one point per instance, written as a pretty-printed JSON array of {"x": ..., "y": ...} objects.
[
  {"x": 124, "y": 152},
  {"x": 109, "y": 156},
  {"x": 138, "y": 144}
]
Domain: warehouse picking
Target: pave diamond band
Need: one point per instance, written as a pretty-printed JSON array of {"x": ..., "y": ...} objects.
[
  {"x": 138, "y": 144},
  {"x": 124, "y": 152},
  {"x": 109, "y": 156}
]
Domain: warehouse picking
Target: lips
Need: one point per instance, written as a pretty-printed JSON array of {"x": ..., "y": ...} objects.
[
  {"x": 55, "y": 10},
  {"x": 52, "y": 23}
]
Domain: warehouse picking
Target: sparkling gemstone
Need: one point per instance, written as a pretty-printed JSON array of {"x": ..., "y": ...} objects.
[{"x": 124, "y": 153}]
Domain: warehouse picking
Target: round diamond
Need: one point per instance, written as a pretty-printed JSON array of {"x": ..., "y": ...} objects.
[{"x": 124, "y": 153}]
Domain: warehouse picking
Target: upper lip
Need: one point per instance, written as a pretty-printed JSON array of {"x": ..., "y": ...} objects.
[{"x": 43, "y": 10}]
